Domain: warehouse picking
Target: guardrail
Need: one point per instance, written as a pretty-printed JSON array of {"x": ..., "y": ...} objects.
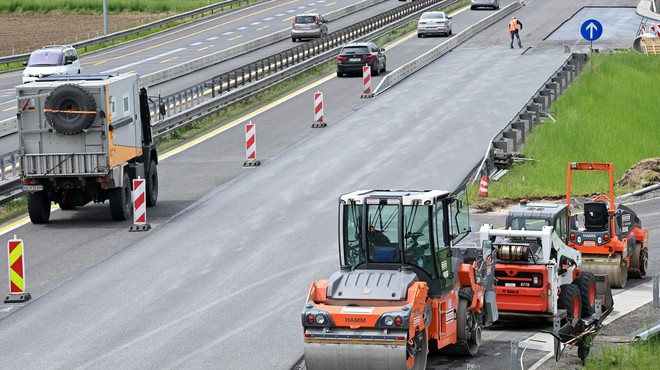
[
  {"x": 506, "y": 145},
  {"x": 430, "y": 56},
  {"x": 199, "y": 101},
  {"x": 200, "y": 12}
]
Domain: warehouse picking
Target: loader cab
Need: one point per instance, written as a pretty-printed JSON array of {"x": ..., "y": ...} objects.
[
  {"x": 387, "y": 230},
  {"x": 533, "y": 216}
]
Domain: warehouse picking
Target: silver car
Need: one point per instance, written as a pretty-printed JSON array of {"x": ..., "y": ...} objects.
[
  {"x": 493, "y": 4},
  {"x": 309, "y": 25},
  {"x": 434, "y": 23}
]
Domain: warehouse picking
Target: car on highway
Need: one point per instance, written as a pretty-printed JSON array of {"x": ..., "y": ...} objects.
[
  {"x": 493, "y": 4},
  {"x": 51, "y": 60},
  {"x": 354, "y": 55},
  {"x": 307, "y": 26},
  {"x": 434, "y": 23}
]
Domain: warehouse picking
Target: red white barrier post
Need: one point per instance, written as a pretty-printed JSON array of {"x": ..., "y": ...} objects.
[
  {"x": 251, "y": 145},
  {"x": 139, "y": 206},
  {"x": 318, "y": 110},
  {"x": 366, "y": 81},
  {"x": 483, "y": 186},
  {"x": 16, "y": 272}
]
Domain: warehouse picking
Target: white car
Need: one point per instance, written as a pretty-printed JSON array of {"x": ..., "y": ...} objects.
[
  {"x": 51, "y": 60},
  {"x": 434, "y": 23}
]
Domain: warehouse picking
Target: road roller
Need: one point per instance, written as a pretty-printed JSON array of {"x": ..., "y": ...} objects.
[
  {"x": 405, "y": 286},
  {"x": 609, "y": 235}
]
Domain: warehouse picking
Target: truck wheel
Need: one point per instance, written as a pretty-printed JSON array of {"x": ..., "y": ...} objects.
[
  {"x": 569, "y": 300},
  {"x": 39, "y": 207},
  {"x": 639, "y": 262},
  {"x": 70, "y": 98},
  {"x": 121, "y": 206},
  {"x": 152, "y": 184},
  {"x": 586, "y": 283}
]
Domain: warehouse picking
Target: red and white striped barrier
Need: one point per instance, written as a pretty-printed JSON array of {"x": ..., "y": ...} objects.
[
  {"x": 366, "y": 80},
  {"x": 483, "y": 186},
  {"x": 250, "y": 145},
  {"x": 139, "y": 206},
  {"x": 318, "y": 110},
  {"x": 16, "y": 272}
]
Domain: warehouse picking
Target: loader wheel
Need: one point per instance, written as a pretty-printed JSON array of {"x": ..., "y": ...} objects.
[
  {"x": 586, "y": 283},
  {"x": 121, "y": 206},
  {"x": 569, "y": 299},
  {"x": 152, "y": 184},
  {"x": 639, "y": 262},
  {"x": 39, "y": 207},
  {"x": 419, "y": 350},
  {"x": 70, "y": 109}
]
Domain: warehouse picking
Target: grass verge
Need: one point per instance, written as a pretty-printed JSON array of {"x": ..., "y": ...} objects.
[
  {"x": 640, "y": 356},
  {"x": 607, "y": 115}
]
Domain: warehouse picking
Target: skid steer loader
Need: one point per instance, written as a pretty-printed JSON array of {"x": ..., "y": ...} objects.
[
  {"x": 539, "y": 275},
  {"x": 404, "y": 288}
]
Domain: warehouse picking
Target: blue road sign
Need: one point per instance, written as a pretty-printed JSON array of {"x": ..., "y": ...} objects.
[{"x": 591, "y": 30}]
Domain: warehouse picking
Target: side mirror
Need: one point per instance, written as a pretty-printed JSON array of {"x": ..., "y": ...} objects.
[
  {"x": 448, "y": 17},
  {"x": 382, "y": 49},
  {"x": 25, "y": 64}
]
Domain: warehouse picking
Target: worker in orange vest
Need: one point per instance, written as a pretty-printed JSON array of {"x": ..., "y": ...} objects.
[{"x": 514, "y": 26}]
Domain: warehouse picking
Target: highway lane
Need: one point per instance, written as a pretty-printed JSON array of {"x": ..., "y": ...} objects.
[
  {"x": 202, "y": 38},
  {"x": 212, "y": 302},
  {"x": 87, "y": 235}
]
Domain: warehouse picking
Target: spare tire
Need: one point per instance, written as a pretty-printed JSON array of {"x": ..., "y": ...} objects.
[{"x": 70, "y": 109}]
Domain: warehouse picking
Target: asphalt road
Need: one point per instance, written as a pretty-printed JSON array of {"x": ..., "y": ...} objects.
[{"x": 219, "y": 281}]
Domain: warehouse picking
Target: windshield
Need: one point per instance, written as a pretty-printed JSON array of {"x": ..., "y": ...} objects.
[
  {"x": 533, "y": 224},
  {"x": 382, "y": 242},
  {"x": 433, "y": 16},
  {"x": 45, "y": 58},
  {"x": 305, "y": 19}
]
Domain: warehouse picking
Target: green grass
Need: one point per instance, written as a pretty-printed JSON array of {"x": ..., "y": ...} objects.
[
  {"x": 607, "y": 115},
  {"x": 639, "y": 356},
  {"x": 96, "y": 6}
]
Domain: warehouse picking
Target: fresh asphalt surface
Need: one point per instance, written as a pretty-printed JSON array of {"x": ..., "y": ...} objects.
[{"x": 220, "y": 281}]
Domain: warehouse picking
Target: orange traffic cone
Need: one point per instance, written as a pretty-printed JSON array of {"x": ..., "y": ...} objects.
[{"x": 483, "y": 186}]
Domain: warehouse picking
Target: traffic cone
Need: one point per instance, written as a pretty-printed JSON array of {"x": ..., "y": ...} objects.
[{"x": 483, "y": 186}]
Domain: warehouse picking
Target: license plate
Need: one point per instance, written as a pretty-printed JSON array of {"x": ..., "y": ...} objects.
[
  {"x": 354, "y": 59},
  {"x": 33, "y": 187},
  {"x": 589, "y": 243}
]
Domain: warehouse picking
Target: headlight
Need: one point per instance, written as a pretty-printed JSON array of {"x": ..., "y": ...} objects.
[
  {"x": 579, "y": 239},
  {"x": 388, "y": 320},
  {"x": 320, "y": 319}
]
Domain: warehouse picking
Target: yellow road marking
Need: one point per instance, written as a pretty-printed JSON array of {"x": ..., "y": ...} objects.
[{"x": 167, "y": 60}]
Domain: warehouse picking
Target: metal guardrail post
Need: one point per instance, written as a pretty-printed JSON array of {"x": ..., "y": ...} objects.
[
  {"x": 656, "y": 290},
  {"x": 514, "y": 363}
]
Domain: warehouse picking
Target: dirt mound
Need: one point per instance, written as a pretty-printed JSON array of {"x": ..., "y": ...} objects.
[{"x": 642, "y": 174}]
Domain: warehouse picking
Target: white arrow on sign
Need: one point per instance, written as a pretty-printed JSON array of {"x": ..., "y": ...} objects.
[{"x": 591, "y": 27}]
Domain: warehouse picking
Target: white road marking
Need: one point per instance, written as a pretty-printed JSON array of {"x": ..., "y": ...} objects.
[{"x": 125, "y": 66}]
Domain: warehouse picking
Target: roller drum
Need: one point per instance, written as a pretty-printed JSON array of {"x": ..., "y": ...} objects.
[
  {"x": 345, "y": 351},
  {"x": 615, "y": 268}
]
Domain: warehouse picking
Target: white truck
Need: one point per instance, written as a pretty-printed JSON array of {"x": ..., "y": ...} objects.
[{"x": 82, "y": 139}]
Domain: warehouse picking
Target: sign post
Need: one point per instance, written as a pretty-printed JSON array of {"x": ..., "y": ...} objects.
[{"x": 591, "y": 30}]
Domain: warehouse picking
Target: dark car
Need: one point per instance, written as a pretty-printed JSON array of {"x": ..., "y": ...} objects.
[{"x": 354, "y": 55}]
